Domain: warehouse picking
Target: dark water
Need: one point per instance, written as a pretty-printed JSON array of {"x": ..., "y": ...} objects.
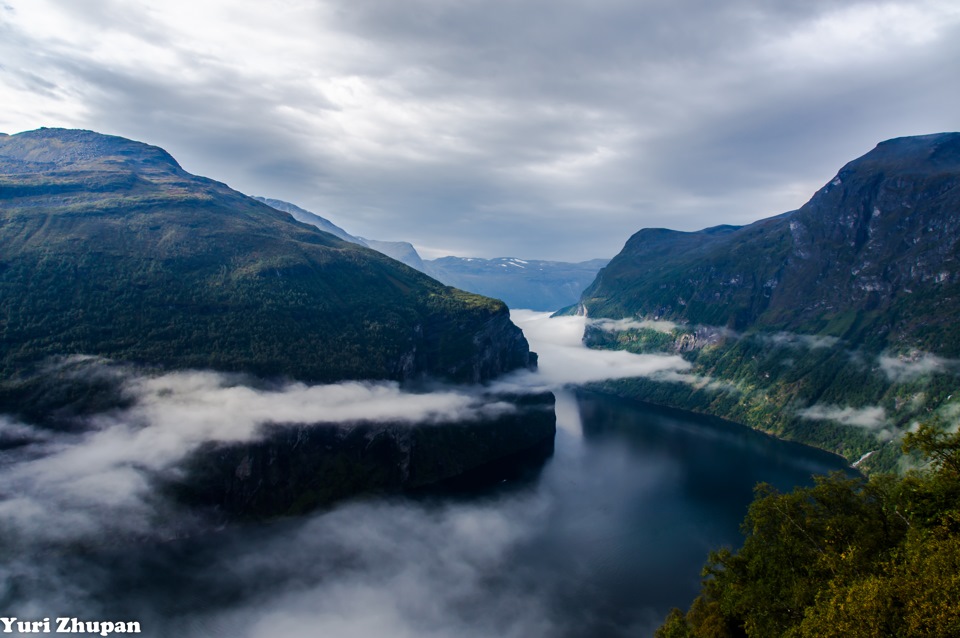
[
  {"x": 601, "y": 540},
  {"x": 643, "y": 495}
]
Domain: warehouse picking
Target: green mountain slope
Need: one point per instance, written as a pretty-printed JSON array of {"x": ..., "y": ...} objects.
[
  {"x": 879, "y": 240},
  {"x": 848, "y": 303},
  {"x": 109, "y": 248}
]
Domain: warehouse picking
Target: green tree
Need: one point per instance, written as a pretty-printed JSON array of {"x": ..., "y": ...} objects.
[{"x": 848, "y": 557}]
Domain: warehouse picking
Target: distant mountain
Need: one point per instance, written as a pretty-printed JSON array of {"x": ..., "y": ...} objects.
[
  {"x": 402, "y": 251},
  {"x": 530, "y": 284},
  {"x": 307, "y": 217},
  {"x": 521, "y": 283},
  {"x": 109, "y": 248},
  {"x": 866, "y": 275}
]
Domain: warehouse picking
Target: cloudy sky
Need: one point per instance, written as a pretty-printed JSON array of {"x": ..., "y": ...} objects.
[{"x": 548, "y": 129}]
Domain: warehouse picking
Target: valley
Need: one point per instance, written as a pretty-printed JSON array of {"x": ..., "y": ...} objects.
[{"x": 184, "y": 366}]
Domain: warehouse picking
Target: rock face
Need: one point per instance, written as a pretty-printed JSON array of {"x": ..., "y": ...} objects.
[
  {"x": 108, "y": 248},
  {"x": 296, "y": 468},
  {"x": 872, "y": 257},
  {"x": 834, "y": 324}
]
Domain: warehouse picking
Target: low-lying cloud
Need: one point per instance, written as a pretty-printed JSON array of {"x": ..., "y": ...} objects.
[
  {"x": 65, "y": 485},
  {"x": 618, "y": 325},
  {"x": 84, "y": 531},
  {"x": 797, "y": 340},
  {"x": 108, "y": 471},
  {"x": 906, "y": 368},
  {"x": 715, "y": 333},
  {"x": 564, "y": 360},
  {"x": 399, "y": 570},
  {"x": 872, "y": 418}
]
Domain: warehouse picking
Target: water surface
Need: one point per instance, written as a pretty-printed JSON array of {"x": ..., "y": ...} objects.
[{"x": 602, "y": 540}]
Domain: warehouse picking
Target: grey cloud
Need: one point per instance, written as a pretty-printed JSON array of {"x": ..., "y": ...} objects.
[
  {"x": 107, "y": 471},
  {"x": 411, "y": 572},
  {"x": 536, "y": 129},
  {"x": 80, "y": 517}
]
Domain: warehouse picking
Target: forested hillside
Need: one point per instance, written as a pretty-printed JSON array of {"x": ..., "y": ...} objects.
[
  {"x": 108, "y": 248},
  {"x": 847, "y": 558},
  {"x": 833, "y": 325}
]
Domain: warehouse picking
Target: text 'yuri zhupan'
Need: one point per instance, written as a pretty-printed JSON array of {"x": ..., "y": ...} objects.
[{"x": 66, "y": 625}]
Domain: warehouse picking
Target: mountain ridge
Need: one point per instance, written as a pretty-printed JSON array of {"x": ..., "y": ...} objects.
[
  {"x": 109, "y": 248},
  {"x": 533, "y": 284},
  {"x": 809, "y": 316}
]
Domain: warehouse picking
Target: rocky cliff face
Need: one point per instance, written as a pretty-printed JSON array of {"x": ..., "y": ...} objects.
[
  {"x": 296, "y": 468},
  {"x": 467, "y": 353},
  {"x": 815, "y": 312},
  {"x": 880, "y": 240}
]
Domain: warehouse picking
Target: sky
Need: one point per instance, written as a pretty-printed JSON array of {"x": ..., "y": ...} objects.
[{"x": 540, "y": 129}]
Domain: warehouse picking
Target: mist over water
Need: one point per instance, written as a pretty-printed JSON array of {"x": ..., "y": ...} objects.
[{"x": 600, "y": 541}]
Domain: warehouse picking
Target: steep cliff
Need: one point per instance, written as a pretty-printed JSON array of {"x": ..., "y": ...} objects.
[
  {"x": 296, "y": 468},
  {"x": 872, "y": 257},
  {"x": 834, "y": 324}
]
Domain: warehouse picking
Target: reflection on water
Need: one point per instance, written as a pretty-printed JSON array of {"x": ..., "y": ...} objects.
[{"x": 600, "y": 541}]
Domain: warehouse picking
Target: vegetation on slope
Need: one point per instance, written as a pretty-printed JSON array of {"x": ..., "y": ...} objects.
[
  {"x": 877, "y": 557},
  {"x": 850, "y": 402},
  {"x": 872, "y": 259},
  {"x": 108, "y": 248},
  {"x": 833, "y": 325}
]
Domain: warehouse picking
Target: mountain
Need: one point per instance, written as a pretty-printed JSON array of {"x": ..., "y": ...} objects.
[
  {"x": 520, "y": 283},
  {"x": 402, "y": 251},
  {"x": 531, "y": 284},
  {"x": 848, "y": 303},
  {"x": 109, "y": 248},
  {"x": 307, "y": 217},
  {"x": 879, "y": 242}
]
